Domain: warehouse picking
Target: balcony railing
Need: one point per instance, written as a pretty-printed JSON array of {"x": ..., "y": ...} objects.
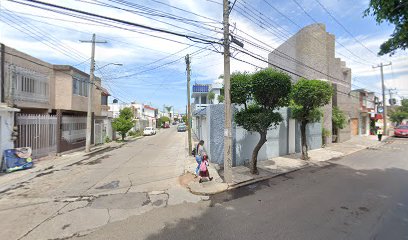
[{"x": 30, "y": 86}]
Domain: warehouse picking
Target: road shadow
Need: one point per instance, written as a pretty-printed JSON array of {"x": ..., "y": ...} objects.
[{"x": 331, "y": 202}]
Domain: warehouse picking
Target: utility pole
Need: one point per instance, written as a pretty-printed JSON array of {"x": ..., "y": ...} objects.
[
  {"x": 381, "y": 66},
  {"x": 90, "y": 87},
  {"x": 227, "y": 97},
  {"x": 188, "y": 104}
]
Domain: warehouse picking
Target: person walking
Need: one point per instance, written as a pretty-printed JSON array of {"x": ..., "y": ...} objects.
[
  {"x": 204, "y": 173},
  {"x": 199, "y": 155},
  {"x": 379, "y": 133}
]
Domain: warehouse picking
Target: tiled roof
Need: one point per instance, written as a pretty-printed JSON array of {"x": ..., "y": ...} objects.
[
  {"x": 201, "y": 88},
  {"x": 148, "y": 107}
]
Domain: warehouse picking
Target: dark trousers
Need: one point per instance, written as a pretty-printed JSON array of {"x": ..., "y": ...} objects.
[{"x": 379, "y": 137}]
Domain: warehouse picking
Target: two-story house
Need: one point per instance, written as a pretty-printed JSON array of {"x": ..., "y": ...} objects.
[
  {"x": 363, "y": 113},
  {"x": 51, "y": 99},
  {"x": 200, "y": 94},
  {"x": 149, "y": 113}
]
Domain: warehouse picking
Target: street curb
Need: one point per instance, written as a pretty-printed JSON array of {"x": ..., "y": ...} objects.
[{"x": 308, "y": 164}]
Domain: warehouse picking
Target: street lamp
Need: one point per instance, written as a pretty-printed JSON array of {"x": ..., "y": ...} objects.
[{"x": 116, "y": 64}]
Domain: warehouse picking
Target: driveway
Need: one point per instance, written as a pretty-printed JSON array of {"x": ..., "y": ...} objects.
[{"x": 74, "y": 199}]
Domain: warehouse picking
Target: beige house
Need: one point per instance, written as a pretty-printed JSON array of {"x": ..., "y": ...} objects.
[
  {"x": 52, "y": 101},
  {"x": 28, "y": 82},
  {"x": 71, "y": 91}
]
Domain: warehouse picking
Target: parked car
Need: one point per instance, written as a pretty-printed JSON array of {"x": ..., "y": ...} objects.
[
  {"x": 166, "y": 125},
  {"x": 401, "y": 131},
  {"x": 181, "y": 128},
  {"x": 148, "y": 131}
]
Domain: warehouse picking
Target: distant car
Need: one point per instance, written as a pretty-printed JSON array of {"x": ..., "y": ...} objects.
[
  {"x": 181, "y": 128},
  {"x": 166, "y": 125},
  {"x": 175, "y": 123},
  {"x": 149, "y": 131},
  {"x": 401, "y": 131}
]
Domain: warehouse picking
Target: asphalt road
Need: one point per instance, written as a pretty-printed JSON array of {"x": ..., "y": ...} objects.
[
  {"x": 89, "y": 192},
  {"x": 361, "y": 196}
]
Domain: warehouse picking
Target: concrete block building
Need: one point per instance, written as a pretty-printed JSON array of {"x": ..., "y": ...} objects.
[
  {"x": 52, "y": 104},
  {"x": 311, "y": 53}
]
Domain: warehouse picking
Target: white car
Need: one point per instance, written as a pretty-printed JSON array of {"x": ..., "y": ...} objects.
[{"x": 149, "y": 131}]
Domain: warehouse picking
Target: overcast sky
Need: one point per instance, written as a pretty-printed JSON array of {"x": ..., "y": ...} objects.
[{"x": 153, "y": 70}]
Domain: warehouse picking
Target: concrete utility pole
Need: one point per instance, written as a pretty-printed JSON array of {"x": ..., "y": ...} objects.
[
  {"x": 91, "y": 83},
  {"x": 381, "y": 66},
  {"x": 227, "y": 97},
  {"x": 188, "y": 104}
]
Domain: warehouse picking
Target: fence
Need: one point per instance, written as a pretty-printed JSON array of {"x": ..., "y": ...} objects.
[
  {"x": 73, "y": 128},
  {"x": 39, "y": 132}
]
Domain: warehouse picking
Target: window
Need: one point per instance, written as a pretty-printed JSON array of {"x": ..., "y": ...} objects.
[
  {"x": 80, "y": 87},
  {"x": 32, "y": 85},
  {"x": 104, "y": 100}
]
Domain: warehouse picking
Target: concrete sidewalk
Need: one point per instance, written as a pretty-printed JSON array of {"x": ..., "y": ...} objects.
[{"x": 277, "y": 166}]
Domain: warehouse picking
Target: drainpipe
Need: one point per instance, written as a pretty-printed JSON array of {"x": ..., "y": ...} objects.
[{"x": 2, "y": 74}]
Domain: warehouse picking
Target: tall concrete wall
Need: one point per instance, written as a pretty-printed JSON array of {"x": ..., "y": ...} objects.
[
  {"x": 311, "y": 53},
  {"x": 244, "y": 141}
]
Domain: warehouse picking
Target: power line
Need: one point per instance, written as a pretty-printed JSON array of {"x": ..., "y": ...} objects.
[
  {"x": 314, "y": 20},
  {"x": 190, "y": 37},
  {"x": 345, "y": 29}
]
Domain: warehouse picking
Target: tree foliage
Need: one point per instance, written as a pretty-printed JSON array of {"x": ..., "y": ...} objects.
[
  {"x": 211, "y": 96},
  {"x": 394, "y": 12},
  {"x": 124, "y": 122},
  {"x": 401, "y": 113},
  {"x": 262, "y": 93},
  {"x": 308, "y": 96},
  {"x": 338, "y": 118},
  {"x": 240, "y": 88},
  {"x": 168, "y": 108},
  {"x": 163, "y": 120},
  {"x": 220, "y": 98}
]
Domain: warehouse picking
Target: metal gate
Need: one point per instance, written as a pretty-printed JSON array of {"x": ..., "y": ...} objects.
[
  {"x": 39, "y": 132},
  {"x": 73, "y": 128},
  {"x": 98, "y": 132}
]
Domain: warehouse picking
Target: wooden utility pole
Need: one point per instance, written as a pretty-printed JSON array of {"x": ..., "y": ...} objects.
[
  {"x": 381, "y": 66},
  {"x": 227, "y": 97},
  {"x": 188, "y": 104},
  {"x": 90, "y": 87}
]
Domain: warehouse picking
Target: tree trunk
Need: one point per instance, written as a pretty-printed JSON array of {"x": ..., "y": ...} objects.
[
  {"x": 123, "y": 136},
  {"x": 262, "y": 140},
  {"x": 305, "y": 155}
]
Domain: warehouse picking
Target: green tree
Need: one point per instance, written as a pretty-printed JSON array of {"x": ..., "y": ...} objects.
[
  {"x": 241, "y": 88},
  {"x": 401, "y": 113},
  {"x": 270, "y": 91},
  {"x": 308, "y": 96},
  {"x": 220, "y": 98},
  {"x": 168, "y": 108},
  {"x": 338, "y": 119},
  {"x": 394, "y": 12},
  {"x": 124, "y": 122},
  {"x": 184, "y": 118},
  {"x": 163, "y": 120},
  {"x": 211, "y": 96}
]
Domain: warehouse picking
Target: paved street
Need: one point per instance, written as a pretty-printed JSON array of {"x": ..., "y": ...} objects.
[
  {"x": 361, "y": 196},
  {"x": 111, "y": 186}
]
